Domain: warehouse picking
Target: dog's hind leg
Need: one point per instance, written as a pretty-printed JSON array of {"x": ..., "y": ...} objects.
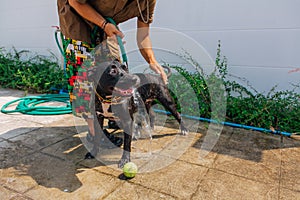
[
  {"x": 151, "y": 113},
  {"x": 167, "y": 101},
  {"x": 151, "y": 118}
]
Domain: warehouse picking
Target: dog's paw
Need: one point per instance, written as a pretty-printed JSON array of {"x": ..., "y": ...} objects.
[
  {"x": 123, "y": 161},
  {"x": 89, "y": 156},
  {"x": 184, "y": 131}
]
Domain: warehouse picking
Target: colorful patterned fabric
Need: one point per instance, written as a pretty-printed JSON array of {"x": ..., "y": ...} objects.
[
  {"x": 80, "y": 89},
  {"x": 81, "y": 58}
]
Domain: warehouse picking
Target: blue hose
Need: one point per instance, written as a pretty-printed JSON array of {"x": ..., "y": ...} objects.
[{"x": 229, "y": 124}]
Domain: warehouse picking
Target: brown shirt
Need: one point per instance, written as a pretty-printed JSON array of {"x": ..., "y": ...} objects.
[{"x": 74, "y": 26}]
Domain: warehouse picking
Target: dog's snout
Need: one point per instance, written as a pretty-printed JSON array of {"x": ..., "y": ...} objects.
[
  {"x": 135, "y": 80},
  {"x": 113, "y": 71}
]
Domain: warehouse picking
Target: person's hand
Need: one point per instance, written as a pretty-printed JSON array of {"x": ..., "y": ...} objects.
[
  {"x": 112, "y": 31},
  {"x": 159, "y": 70}
]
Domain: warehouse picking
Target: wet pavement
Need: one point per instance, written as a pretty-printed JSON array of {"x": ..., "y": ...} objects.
[{"x": 42, "y": 157}]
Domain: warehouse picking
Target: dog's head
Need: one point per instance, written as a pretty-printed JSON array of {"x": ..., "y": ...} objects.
[{"x": 115, "y": 79}]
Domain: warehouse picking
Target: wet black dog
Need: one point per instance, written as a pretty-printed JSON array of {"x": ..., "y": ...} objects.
[{"x": 115, "y": 87}]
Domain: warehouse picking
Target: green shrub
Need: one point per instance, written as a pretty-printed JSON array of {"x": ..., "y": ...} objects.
[
  {"x": 278, "y": 109},
  {"x": 244, "y": 105},
  {"x": 33, "y": 74}
]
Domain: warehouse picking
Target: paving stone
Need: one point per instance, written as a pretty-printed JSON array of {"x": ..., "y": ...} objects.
[
  {"x": 249, "y": 155},
  {"x": 94, "y": 185},
  {"x": 41, "y": 192},
  {"x": 49, "y": 171},
  {"x": 45, "y": 136},
  {"x": 38, "y": 119},
  {"x": 41, "y": 157},
  {"x": 109, "y": 170},
  {"x": 290, "y": 142},
  {"x": 6, "y": 92},
  {"x": 163, "y": 150},
  {"x": 221, "y": 185},
  {"x": 71, "y": 149},
  {"x": 267, "y": 170},
  {"x": 24, "y": 120},
  {"x": 13, "y": 128},
  {"x": 17, "y": 179},
  {"x": 44, "y": 119},
  {"x": 20, "y": 197},
  {"x": 11, "y": 153},
  {"x": 6, "y": 194},
  {"x": 131, "y": 191},
  {"x": 290, "y": 173},
  {"x": 179, "y": 179},
  {"x": 40, "y": 169},
  {"x": 5, "y": 144},
  {"x": 65, "y": 121},
  {"x": 286, "y": 194},
  {"x": 250, "y": 144},
  {"x": 204, "y": 155}
]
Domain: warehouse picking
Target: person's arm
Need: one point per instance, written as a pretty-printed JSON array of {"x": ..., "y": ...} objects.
[
  {"x": 86, "y": 11},
  {"x": 145, "y": 47}
]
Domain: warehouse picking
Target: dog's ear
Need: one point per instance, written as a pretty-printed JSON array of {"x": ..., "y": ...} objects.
[{"x": 124, "y": 67}]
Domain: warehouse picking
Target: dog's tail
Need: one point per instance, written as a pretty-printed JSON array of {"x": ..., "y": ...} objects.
[{"x": 168, "y": 70}]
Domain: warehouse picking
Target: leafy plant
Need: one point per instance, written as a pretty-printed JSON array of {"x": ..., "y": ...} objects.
[
  {"x": 30, "y": 73},
  {"x": 244, "y": 105}
]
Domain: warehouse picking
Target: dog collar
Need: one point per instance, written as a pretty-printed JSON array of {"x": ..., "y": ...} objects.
[
  {"x": 109, "y": 99},
  {"x": 106, "y": 103}
]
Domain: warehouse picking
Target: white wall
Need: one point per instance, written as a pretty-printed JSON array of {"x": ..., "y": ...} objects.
[
  {"x": 260, "y": 38},
  {"x": 27, "y": 25}
]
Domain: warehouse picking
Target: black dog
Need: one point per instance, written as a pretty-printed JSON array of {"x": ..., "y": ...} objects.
[{"x": 115, "y": 86}]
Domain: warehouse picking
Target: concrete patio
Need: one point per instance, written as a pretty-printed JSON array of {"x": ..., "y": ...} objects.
[{"x": 42, "y": 157}]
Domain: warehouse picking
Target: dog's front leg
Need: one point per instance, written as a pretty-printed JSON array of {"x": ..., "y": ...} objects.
[
  {"x": 126, "y": 150},
  {"x": 125, "y": 116},
  {"x": 127, "y": 128}
]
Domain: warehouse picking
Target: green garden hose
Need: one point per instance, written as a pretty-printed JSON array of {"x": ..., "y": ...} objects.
[
  {"x": 30, "y": 105},
  {"x": 120, "y": 42}
]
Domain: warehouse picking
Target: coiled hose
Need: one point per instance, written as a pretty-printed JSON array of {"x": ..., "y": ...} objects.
[{"x": 31, "y": 105}]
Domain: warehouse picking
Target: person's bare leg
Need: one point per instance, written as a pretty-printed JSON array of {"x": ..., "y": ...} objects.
[{"x": 90, "y": 123}]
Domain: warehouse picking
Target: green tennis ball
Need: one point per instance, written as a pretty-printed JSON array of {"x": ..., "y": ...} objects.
[{"x": 130, "y": 169}]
